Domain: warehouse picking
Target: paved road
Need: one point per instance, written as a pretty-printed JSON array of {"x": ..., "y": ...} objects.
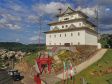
[{"x": 18, "y": 82}]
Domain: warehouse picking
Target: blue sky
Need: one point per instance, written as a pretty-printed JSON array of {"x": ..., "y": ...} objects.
[{"x": 19, "y": 19}]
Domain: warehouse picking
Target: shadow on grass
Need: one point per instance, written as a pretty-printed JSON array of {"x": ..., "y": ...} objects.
[{"x": 108, "y": 82}]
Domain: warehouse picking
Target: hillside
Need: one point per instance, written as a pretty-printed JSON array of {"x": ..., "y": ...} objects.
[
  {"x": 98, "y": 73},
  {"x": 14, "y": 46},
  {"x": 26, "y": 64}
]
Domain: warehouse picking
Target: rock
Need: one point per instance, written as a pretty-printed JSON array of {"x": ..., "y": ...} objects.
[
  {"x": 91, "y": 73},
  {"x": 99, "y": 65},
  {"x": 106, "y": 62}
]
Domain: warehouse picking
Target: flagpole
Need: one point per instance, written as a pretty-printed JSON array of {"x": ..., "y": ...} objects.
[
  {"x": 67, "y": 74},
  {"x": 63, "y": 72},
  {"x": 74, "y": 79},
  {"x": 70, "y": 78}
]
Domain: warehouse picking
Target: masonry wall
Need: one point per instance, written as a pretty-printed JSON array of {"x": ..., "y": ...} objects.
[{"x": 86, "y": 50}]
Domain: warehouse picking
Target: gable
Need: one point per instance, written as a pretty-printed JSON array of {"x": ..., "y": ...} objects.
[
  {"x": 72, "y": 26},
  {"x": 68, "y": 10},
  {"x": 56, "y": 28}
]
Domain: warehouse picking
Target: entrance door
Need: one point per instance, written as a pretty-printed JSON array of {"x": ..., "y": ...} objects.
[{"x": 67, "y": 44}]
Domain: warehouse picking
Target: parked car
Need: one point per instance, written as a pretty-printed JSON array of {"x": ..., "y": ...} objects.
[
  {"x": 16, "y": 77},
  {"x": 11, "y": 72}
]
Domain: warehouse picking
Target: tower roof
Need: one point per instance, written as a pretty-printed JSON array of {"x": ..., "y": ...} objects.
[
  {"x": 71, "y": 29},
  {"x": 69, "y": 10},
  {"x": 73, "y": 20}
]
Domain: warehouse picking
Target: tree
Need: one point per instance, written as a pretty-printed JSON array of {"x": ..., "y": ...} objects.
[{"x": 110, "y": 40}]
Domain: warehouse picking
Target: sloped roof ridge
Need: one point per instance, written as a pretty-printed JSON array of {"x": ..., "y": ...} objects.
[{"x": 67, "y": 9}]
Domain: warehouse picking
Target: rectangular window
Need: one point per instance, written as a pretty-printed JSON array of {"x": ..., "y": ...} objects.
[
  {"x": 66, "y": 26},
  {"x": 65, "y": 35},
  {"x": 55, "y": 36},
  {"x": 78, "y": 34},
  {"x": 60, "y": 35},
  {"x": 71, "y": 34},
  {"x": 79, "y": 24},
  {"x": 66, "y": 19},
  {"x": 62, "y": 26},
  {"x": 49, "y": 36}
]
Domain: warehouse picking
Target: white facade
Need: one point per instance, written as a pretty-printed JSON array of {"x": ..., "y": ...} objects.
[
  {"x": 83, "y": 36},
  {"x": 76, "y": 37},
  {"x": 70, "y": 17},
  {"x": 76, "y": 24}
]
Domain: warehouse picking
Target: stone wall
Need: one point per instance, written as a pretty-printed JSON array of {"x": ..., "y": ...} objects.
[{"x": 86, "y": 50}]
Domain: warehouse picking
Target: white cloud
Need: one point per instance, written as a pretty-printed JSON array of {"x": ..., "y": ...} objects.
[
  {"x": 37, "y": 32},
  {"x": 105, "y": 21},
  {"x": 62, "y": 0},
  {"x": 10, "y": 17},
  {"x": 81, "y": 2},
  {"x": 33, "y": 19},
  {"x": 106, "y": 27},
  {"x": 17, "y": 40},
  {"x": 36, "y": 38},
  {"x": 13, "y": 27},
  {"x": 89, "y": 11},
  {"x": 3, "y": 21},
  {"x": 16, "y": 5},
  {"x": 107, "y": 9},
  {"x": 51, "y": 8},
  {"x": 103, "y": 2}
]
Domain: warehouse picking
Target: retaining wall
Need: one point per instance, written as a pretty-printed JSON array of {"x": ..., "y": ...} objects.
[{"x": 56, "y": 52}]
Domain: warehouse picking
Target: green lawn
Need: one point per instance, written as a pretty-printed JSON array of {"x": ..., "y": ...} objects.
[
  {"x": 65, "y": 55},
  {"x": 103, "y": 79},
  {"x": 31, "y": 58}
]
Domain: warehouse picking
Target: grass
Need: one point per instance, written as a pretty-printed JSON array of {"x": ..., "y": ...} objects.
[
  {"x": 65, "y": 55},
  {"x": 59, "y": 51},
  {"x": 103, "y": 79},
  {"x": 31, "y": 58},
  {"x": 45, "y": 50}
]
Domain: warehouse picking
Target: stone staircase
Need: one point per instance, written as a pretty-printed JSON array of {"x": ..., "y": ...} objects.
[{"x": 5, "y": 78}]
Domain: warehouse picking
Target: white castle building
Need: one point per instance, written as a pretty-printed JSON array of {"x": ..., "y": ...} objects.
[{"x": 72, "y": 28}]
